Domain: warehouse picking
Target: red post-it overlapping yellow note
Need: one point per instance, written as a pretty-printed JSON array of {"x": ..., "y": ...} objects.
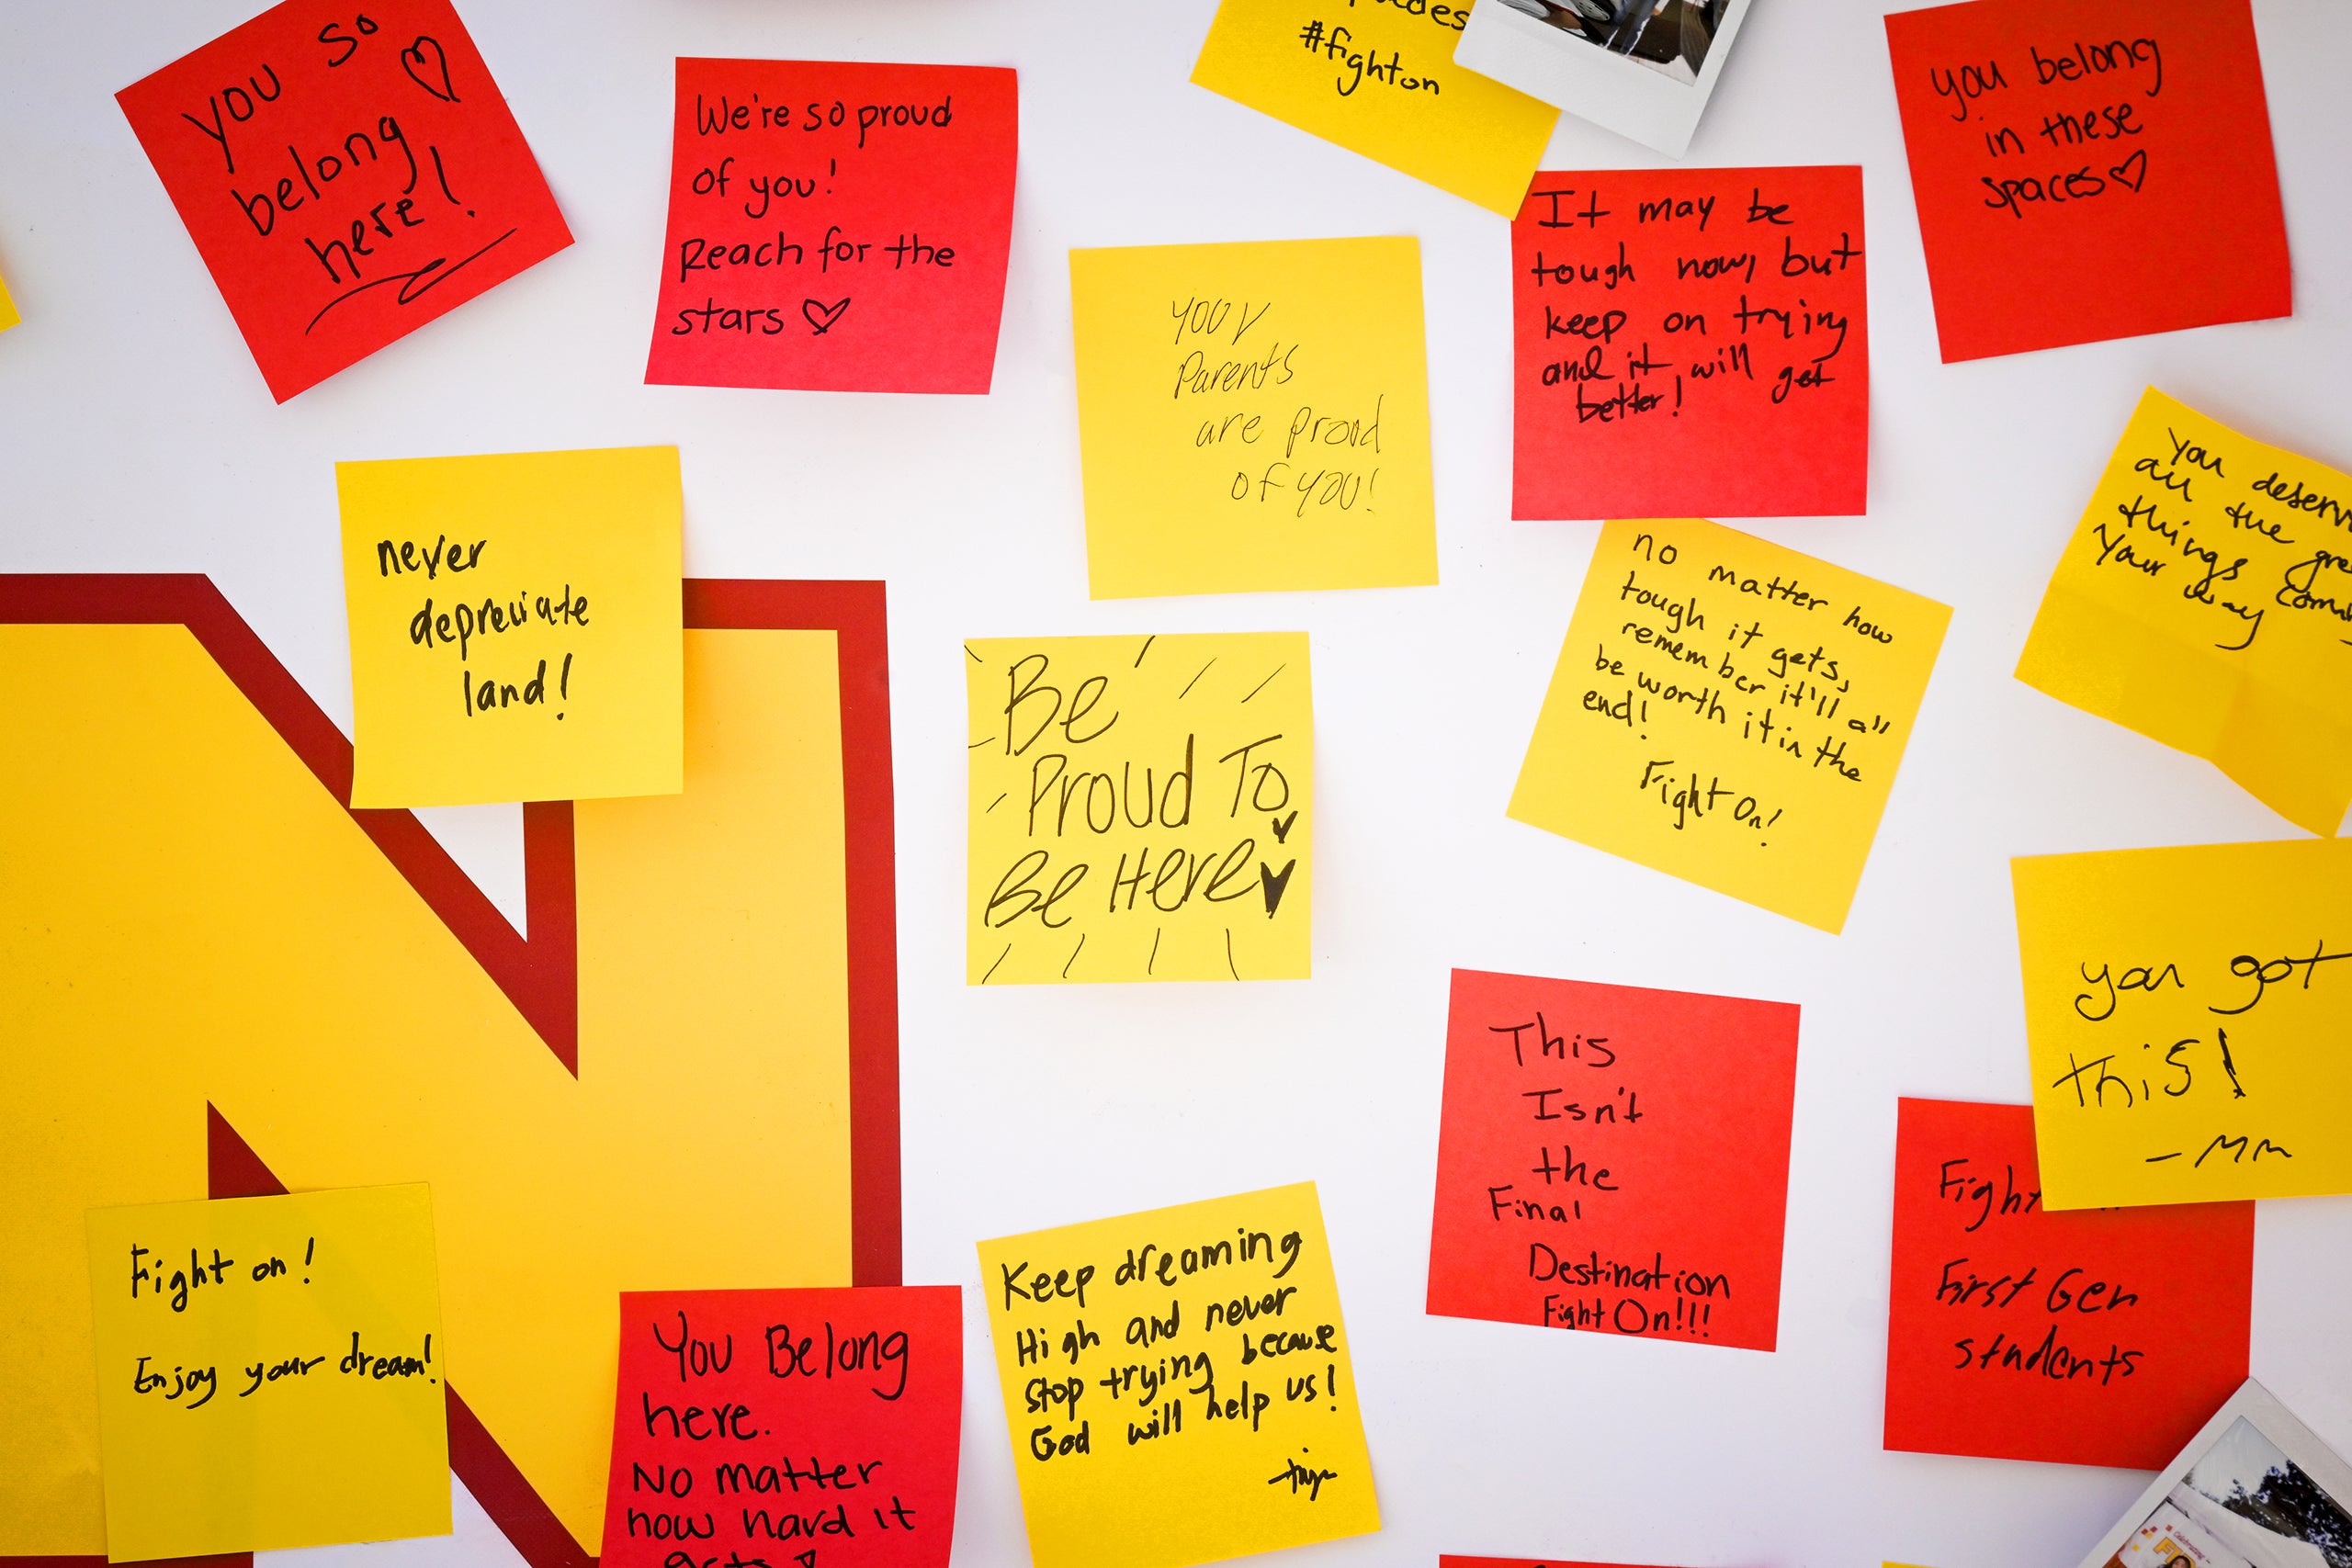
[
  {"x": 270, "y": 1372},
  {"x": 1731, "y": 713},
  {"x": 1691, "y": 342},
  {"x": 836, "y": 225},
  {"x": 2071, "y": 1339},
  {"x": 346, "y": 176},
  {"x": 1177, "y": 1383},
  {"x": 760, "y": 1424},
  {"x": 1253, "y": 416},
  {"x": 516, "y": 626},
  {"x": 1141, "y": 809},
  {"x": 1613, "y": 1159},
  {"x": 2088, "y": 169},
  {"x": 2206, "y": 601},
  {"x": 1380, "y": 80},
  {"x": 2186, "y": 1011}
]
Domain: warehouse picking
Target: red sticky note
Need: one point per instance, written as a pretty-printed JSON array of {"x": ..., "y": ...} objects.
[
  {"x": 1691, "y": 342},
  {"x": 1614, "y": 1159},
  {"x": 2090, "y": 1337},
  {"x": 2088, "y": 169},
  {"x": 755, "y": 1425},
  {"x": 834, "y": 226},
  {"x": 346, "y": 179}
]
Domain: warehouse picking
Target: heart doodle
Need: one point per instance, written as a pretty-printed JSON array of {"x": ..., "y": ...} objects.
[
  {"x": 1272, "y": 882},
  {"x": 822, "y": 317},
  {"x": 424, "y": 72},
  {"x": 2131, "y": 171}
]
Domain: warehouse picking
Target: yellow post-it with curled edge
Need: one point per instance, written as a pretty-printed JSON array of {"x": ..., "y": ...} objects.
[
  {"x": 2206, "y": 601},
  {"x": 1253, "y": 416},
  {"x": 270, "y": 1372},
  {"x": 516, "y": 627},
  {"x": 1731, "y": 713},
  {"x": 2186, "y": 1014},
  {"x": 8, "y": 317},
  {"x": 1141, "y": 809},
  {"x": 1380, "y": 80},
  {"x": 1177, "y": 1383}
]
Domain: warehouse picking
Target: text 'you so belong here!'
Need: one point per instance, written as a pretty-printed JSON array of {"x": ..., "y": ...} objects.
[
  {"x": 836, "y": 226},
  {"x": 346, "y": 177}
]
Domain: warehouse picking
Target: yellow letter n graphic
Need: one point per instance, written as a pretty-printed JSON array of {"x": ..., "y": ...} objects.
[{"x": 215, "y": 976}]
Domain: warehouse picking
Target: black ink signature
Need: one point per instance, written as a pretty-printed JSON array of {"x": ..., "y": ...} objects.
[{"x": 1298, "y": 1475}]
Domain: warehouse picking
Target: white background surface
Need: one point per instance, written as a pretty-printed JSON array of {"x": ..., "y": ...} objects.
[{"x": 136, "y": 435}]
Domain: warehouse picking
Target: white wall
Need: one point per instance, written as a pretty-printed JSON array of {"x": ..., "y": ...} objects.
[{"x": 136, "y": 435}]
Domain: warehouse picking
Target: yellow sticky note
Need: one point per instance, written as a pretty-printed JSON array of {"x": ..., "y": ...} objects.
[
  {"x": 2206, "y": 601},
  {"x": 270, "y": 1372},
  {"x": 177, "y": 847},
  {"x": 1253, "y": 416},
  {"x": 2186, "y": 1013},
  {"x": 1731, "y": 713},
  {"x": 516, "y": 627},
  {"x": 1141, "y": 808},
  {"x": 1177, "y": 1385},
  {"x": 1380, "y": 80},
  {"x": 8, "y": 317}
]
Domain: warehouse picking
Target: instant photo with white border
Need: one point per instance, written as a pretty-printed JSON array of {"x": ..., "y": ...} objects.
[
  {"x": 2252, "y": 1489},
  {"x": 1610, "y": 80}
]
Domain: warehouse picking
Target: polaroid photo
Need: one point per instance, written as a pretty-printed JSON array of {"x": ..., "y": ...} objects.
[
  {"x": 2252, "y": 1489},
  {"x": 1644, "y": 69}
]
